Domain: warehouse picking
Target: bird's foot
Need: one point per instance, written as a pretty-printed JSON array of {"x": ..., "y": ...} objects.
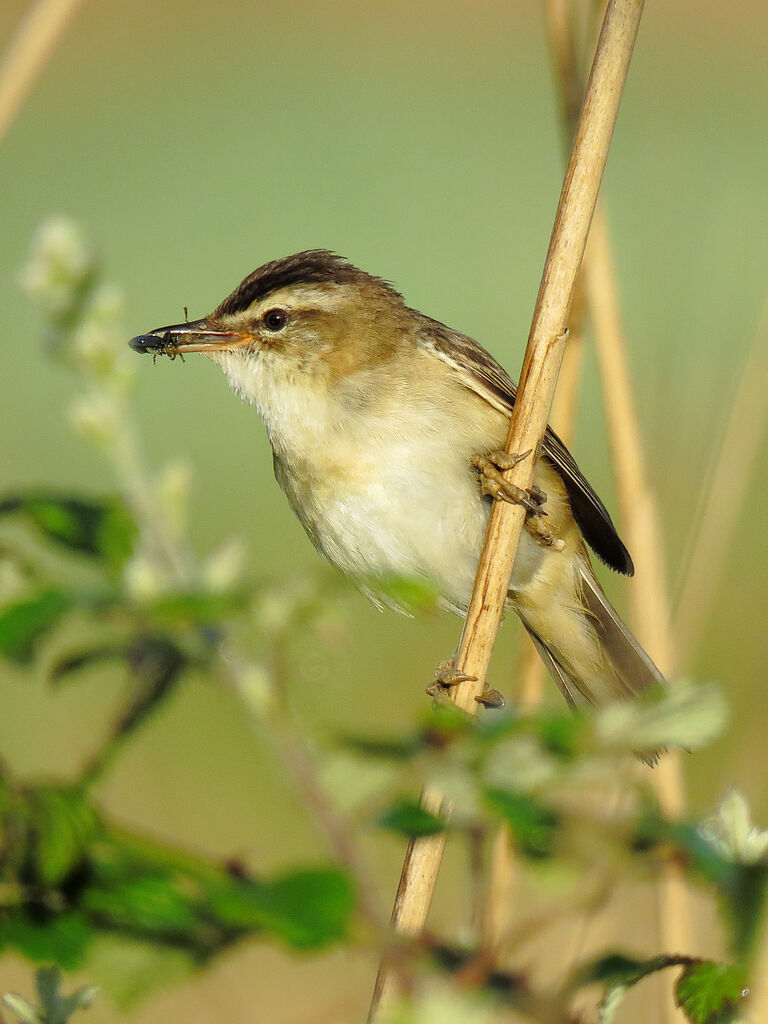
[
  {"x": 491, "y": 468},
  {"x": 543, "y": 534},
  {"x": 491, "y": 699},
  {"x": 447, "y": 676}
]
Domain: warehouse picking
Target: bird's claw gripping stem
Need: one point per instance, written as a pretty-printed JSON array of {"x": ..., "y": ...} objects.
[
  {"x": 491, "y": 699},
  {"x": 493, "y": 482},
  {"x": 448, "y": 676},
  {"x": 491, "y": 468}
]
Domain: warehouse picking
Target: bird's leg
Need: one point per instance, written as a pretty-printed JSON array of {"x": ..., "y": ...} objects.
[
  {"x": 491, "y": 468},
  {"x": 447, "y": 676}
]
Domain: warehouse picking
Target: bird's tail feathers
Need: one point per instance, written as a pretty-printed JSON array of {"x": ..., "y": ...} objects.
[
  {"x": 602, "y": 660},
  {"x": 630, "y": 663}
]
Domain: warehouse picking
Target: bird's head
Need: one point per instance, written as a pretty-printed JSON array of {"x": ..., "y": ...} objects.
[{"x": 312, "y": 314}]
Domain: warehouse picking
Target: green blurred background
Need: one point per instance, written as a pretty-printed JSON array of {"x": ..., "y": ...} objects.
[{"x": 194, "y": 141}]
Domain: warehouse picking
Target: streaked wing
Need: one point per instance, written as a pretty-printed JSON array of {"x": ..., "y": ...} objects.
[{"x": 480, "y": 372}]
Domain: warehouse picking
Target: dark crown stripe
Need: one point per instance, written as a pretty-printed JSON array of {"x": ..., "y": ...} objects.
[{"x": 315, "y": 266}]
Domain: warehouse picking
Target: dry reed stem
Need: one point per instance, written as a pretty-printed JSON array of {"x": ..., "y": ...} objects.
[
  {"x": 648, "y": 601},
  {"x": 757, "y": 1007},
  {"x": 28, "y": 52},
  {"x": 541, "y": 364},
  {"x": 725, "y": 495},
  {"x": 648, "y": 595},
  {"x": 649, "y": 605},
  {"x": 530, "y": 672}
]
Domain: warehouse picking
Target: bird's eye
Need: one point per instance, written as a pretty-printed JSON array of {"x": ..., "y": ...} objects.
[{"x": 275, "y": 319}]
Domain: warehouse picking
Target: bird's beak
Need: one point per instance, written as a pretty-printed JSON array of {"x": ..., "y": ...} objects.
[{"x": 196, "y": 336}]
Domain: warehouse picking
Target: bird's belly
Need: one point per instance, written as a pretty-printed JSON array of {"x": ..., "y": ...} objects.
[{"x": 410, "y": 514}]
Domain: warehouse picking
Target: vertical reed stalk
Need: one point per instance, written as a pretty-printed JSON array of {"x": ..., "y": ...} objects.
[
  {"x": 28, "y": 52},
  {"x": 648, "y": 595},
  {"x": 530, "y": 672},
  {"x": 543, "y": 356},
  {"x": 758, "y": 1003}
]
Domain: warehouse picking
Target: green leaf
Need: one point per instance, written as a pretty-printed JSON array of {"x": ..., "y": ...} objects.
[
  {"x": 618, "y": 973},
  {"x": 22, "y": 625},
  {"x": 62, "y": 826},
  {"x": 306, "y": 909},
  {"x": 410, "y": 820},
  {"x": 710, "y": 993},
  {"x": 61, "y": 938},
  {"x": 406, "y": 593},
  {"x": 534, "y": 827},
  {"x": 148, "y": 905},
  {"x": 103, "y": 529},
  {"x": 197, "y": 608},
  {"x": 694, "y": 848},
  {"x": 743, "y": 894},
  {"x": 618, "y": 969},
  {"x": 561, "y": 734}
]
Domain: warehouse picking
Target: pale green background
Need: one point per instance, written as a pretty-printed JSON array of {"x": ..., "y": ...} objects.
[{"x": 195, "y": 141}]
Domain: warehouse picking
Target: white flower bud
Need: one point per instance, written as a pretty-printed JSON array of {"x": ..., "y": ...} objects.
[
  {"x": 254, "y": 684},
  {"x": 144, "y": 580},
  {"x": 99, "y": 339},
  {"x": 97, "y": 417},
  {"x": 443, "y": 1004},
  {"x": 173, "y": 492},
  {"x": 274, "y": 611},
  {"x": 59, "y": 265},
  {"x": 732, "y": 832},
  {"x": 225, "y": 565}
]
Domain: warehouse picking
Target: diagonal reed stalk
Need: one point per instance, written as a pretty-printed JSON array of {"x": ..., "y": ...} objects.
[
  {"x": 28, "y": 52},
  {"x": 530, "y": 671},
  {"x": 543, "y": 356},
  {"x": 648, "y": 595}
]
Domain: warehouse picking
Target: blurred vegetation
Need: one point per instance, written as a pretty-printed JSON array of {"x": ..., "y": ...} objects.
[
  {"x": 423, "y": 143},
  {"x": 120, "y": 567}
]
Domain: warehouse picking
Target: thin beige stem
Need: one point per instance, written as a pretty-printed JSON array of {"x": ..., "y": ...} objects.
[
  {"x": 499, "y": 891},
  {"x": 649, "y": 603},
  {"x": 725, "y": 496},
  {"x": 649, "y": 608},
  {"x": 541, "y": 364},
  {"x": 530, "y": 671},
  {"x": 758, "y": 1002},
  {"x": 28, "y": 53},
  {"x": 648, "y": 595}
]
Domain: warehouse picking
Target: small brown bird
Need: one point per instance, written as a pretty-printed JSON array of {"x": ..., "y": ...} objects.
[{"x": 386, "y": 428}]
